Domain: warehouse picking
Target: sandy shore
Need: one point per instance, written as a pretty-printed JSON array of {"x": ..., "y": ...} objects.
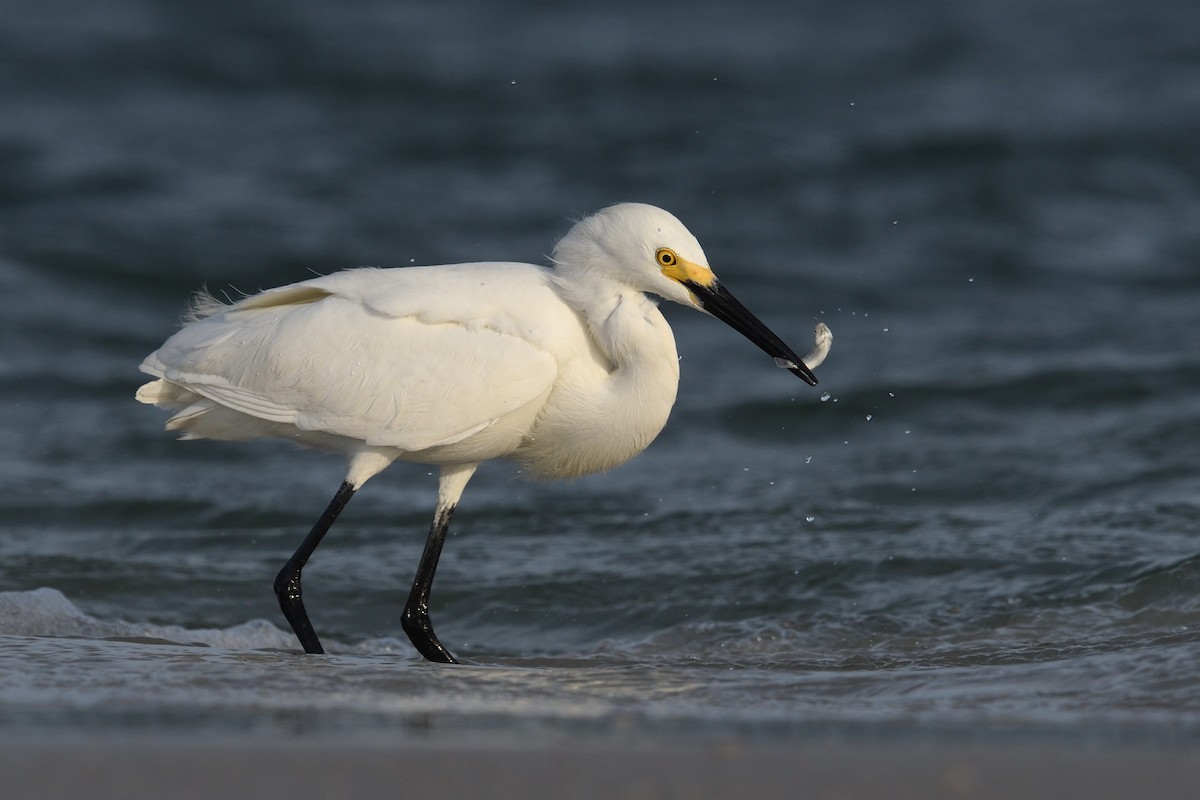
[{"x": 179, "y": 769}]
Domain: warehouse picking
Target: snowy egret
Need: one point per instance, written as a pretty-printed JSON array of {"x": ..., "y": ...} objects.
[{"x": 567, "y": 370}]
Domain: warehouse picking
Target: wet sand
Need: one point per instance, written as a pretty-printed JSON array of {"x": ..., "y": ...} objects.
[{"x": 181, "y": 769}]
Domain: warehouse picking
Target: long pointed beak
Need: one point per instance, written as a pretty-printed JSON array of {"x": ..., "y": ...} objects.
[{"x": 717, "y": 300}]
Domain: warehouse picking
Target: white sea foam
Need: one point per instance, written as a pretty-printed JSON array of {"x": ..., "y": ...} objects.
[{"x": 48, "y": 612}]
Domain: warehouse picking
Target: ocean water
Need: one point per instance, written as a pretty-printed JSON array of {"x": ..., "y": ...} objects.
[{"x": 986, "y": 518}]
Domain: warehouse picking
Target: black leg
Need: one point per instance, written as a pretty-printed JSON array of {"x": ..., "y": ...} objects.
[
  {"x": 415, "y": 621},
  {"x": 287, "y": 582}
]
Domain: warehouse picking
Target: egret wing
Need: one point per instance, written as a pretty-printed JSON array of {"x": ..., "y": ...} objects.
[{"x": 320, "y": 357}]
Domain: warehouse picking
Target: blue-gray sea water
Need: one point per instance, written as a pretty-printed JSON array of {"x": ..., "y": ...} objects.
[{"x": 986, "y": 517}]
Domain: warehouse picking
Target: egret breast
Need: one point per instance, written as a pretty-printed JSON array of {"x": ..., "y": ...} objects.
[{"x": 606, "y": 408}]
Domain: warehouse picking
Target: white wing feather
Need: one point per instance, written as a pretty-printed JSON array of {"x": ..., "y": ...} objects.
[{"x": 409, "y": 358}]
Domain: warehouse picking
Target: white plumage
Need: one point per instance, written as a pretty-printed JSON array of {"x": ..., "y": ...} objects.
[{"x": 568, "y": 370}]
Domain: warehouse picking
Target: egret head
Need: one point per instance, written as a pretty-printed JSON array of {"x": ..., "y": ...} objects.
[
  {"x": 639, "y": 246},
  {"x": 648, "y": 249}
]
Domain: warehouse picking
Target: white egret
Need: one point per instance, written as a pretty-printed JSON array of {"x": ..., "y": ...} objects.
[{"x": 567, "y": 370}]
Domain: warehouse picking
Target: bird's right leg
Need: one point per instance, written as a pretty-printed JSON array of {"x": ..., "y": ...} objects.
[
  {"x": 415, "y": 619},
  {"x": 287, "y": 582}
]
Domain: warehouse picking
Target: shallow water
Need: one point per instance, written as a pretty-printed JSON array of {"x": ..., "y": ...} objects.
[{"x": 985, "y": 518}]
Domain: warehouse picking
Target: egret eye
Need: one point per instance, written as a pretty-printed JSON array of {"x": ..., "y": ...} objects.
[{"x": 666, "y": 257}]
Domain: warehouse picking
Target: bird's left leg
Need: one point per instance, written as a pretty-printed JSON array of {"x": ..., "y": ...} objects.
[
  {"x": 415, "y": 620},
  {"x": 287, "y": 582}
]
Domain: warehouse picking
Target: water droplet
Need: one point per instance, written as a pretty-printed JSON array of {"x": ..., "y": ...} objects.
[
  {"x": 868, "y": 417},
  {"x": 808, "y": 460},
  {"x": 825, "y": 396},
  {"x": 810, "y": 518}
]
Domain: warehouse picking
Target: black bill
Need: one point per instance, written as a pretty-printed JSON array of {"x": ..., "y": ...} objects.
[{"x": 717, "y": 300}]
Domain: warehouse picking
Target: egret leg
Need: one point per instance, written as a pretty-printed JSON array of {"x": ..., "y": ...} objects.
[
  {"x": 287, "y": 582},
  {"x": 415, "y": 620}
]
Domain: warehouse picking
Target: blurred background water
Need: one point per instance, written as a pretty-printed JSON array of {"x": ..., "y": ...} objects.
[{"x": 986, "y": 513}]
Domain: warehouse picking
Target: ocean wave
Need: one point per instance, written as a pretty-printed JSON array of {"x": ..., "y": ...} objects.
[{"x": 48, "y": 612}]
